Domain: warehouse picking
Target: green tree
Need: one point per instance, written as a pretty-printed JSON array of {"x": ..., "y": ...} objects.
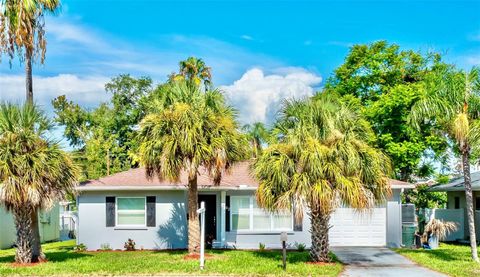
[
  {"x": 385, "y": 82},
  {"x": 105, "y": 137},
  {"x": 22, "y": 32},
  {"x": 453, "y": 102},
  {"x": 257, "y": 134},
  {"x": 321, "y": 159},
  {"x": 34, "y": 173},
  {"x": 191, "y": 129}
]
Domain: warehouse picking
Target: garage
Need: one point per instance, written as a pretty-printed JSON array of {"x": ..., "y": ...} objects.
[{"x": 353, "y": 228}]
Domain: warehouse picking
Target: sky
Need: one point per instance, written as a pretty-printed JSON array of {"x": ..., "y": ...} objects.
[{"x": 260, "y": 51}]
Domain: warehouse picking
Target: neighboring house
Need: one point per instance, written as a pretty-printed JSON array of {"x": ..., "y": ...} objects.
[
  {"x": 153, "y": 213},
  {"x": 48, "y": 226},
  {"x": 456, "y": 206}
]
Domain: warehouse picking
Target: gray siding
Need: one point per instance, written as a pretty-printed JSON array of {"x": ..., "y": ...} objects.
[
  {"x": 170, "y": 232},
  {"x": 171, "y": 224}
]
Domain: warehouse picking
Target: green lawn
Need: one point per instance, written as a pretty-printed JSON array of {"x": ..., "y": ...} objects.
[
  {"x": 64, "y": 261},
  {"x": 450, "y": 259}
]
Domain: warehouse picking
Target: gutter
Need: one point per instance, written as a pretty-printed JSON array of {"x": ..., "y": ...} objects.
[{"x": 161, "y": 188}]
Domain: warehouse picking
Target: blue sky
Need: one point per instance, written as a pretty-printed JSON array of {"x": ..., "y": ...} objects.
[{"x": 260, "y": 51}]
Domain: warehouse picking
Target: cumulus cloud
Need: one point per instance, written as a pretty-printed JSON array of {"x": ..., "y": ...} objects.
[
  {"x": 258, "y": 96},
  {"x": 87, "y": 91}
]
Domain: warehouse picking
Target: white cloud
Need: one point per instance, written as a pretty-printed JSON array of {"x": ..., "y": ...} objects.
[
  {"x": 87, "y": 91},
  {"x": 258, "y": 96},
  {"x": 246, "y": 37}
]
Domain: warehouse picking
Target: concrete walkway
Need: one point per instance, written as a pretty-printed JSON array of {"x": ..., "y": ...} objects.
[{"x": 376, "y": 261}]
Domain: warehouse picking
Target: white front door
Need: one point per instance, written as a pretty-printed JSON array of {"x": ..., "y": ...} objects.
[{"x": 353, "y": 228}]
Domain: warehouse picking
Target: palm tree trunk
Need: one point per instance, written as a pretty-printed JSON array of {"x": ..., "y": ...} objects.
[
  {"x": 319, "y": 233},
  {"x": 469, "y": 203},
  {"x": 28, "y": 77},
  {"x": 23, "y": 225},
  {"x": 193, "y": 223},
  {"x": 37, "y": 253}
]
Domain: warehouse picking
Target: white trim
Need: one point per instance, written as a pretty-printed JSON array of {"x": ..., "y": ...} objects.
[
  {"x": 131, "y": 212},
  {"x": 223, "y": 207},
  {"x": 251, "y": 229}
]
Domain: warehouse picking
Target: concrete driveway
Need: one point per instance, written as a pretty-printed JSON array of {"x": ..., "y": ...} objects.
[{"x": 376, "y": 261}]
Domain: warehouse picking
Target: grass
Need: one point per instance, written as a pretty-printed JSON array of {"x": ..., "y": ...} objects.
[
  {"x": 451, "y": 259},
  {"x": 62, "y": 260}
]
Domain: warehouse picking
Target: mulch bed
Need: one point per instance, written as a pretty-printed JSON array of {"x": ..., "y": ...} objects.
[
  {"x": 196, "y": 256},
  {"x": 15, "y": 264}
]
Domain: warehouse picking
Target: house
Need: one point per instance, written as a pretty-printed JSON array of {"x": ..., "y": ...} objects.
[
  {"x": 49, "y": 226},
  {"x": 127, "y": 205},
  {"x": 456, "y": 206}
]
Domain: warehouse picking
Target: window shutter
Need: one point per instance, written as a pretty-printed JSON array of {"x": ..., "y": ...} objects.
[
  {"x": 151, "y": 211},
  {"x": 110, "y": 211},
  {"x": 227, "y": 213},
  {"x": 297, "y": 222}
]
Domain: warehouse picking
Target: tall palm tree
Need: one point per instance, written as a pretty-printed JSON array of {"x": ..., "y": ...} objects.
[
  {"x": 321, "y": 160},
  {"x": 257, "y": 134},
  {"x": 22, "y": 32},
  {"x": 34, "y": 172},
  {"x": 194, "y": 70},
  {"x": 452, "y": 100},
  {"x": 190, "y": 129}
]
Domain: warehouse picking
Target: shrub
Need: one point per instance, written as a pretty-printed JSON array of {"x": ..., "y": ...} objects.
[
  {"x": 105, "y": 246},
  {"x": 300, "y": 246},
  {"x": 129, "y": 245},
  {"x": 80, "y": 247},
  {"x": 261, "y": 246},
  {"x": 440, "y": 228}
]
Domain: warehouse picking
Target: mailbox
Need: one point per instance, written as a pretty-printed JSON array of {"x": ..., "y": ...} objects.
[{"x": 283, "y": 237}]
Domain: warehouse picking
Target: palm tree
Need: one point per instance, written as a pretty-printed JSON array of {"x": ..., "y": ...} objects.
[
  {"x": 190, "y": 129},
  {"x": 34, "y": 172},
  {"x": 22, "y": 32},
  {"x": 452, "y": 100},
  {"x": 194, "y": 70},
  {"x": 321, "y": 159},
  {"x": 257, "y": 134}
]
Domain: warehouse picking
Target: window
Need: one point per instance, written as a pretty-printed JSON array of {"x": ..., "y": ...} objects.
[
  {"x": 457, "y": 202},
  {"x": 131, "y": 211},
  {"x": 247, "y": 216},
  {"x": 477, "y": 203}
]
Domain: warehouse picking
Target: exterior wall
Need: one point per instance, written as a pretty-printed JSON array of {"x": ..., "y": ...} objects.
[
  {"x": 462, "y": 221},
  {"x": 7, "y": 230},
  {"x": 171, "y": 223},
  {"x": 48, "y": 227},
  {"x": 457, "y": 216},
  {"x": 170, "y": 230},
  {"x": 394, "y": 220}
]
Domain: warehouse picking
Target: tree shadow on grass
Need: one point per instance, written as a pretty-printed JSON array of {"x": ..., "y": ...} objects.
[
  {"x": 440, "y": 254},
  {"x": 57, "y": 256}
]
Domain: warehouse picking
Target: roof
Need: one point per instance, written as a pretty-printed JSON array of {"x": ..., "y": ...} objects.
[
  {"x": 238, "y": 177},
  {"x": 457, "y": 184}
]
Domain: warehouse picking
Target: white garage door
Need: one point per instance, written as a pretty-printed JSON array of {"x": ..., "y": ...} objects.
[{"x": 352, "y": 228}]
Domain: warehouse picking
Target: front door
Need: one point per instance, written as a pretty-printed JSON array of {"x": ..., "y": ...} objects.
[{"x": 210, "y": 218}]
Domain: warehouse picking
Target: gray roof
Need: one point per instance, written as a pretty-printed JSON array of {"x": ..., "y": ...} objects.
[{"x": 456, "y": 184}]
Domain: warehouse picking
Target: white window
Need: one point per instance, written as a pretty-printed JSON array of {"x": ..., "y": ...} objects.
[
  {"x": 246, "y": 215},
  {"x": 131, "y": 211}
]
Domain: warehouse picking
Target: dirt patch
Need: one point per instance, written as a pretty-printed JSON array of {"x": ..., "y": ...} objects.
[
  {"x": 196, "y": 256},
  {"x": 321, "y": 263},
  {"x": 15, "y": 264}
]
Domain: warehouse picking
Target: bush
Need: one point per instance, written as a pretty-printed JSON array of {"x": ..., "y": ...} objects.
[
  {"x": 80, "y": 247},
  {"x": 261, "y": 247},
  {"x": 300, "y": 246},
  {"x": 129, "y": 245},
  {"x": 105, "y": 246}
]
